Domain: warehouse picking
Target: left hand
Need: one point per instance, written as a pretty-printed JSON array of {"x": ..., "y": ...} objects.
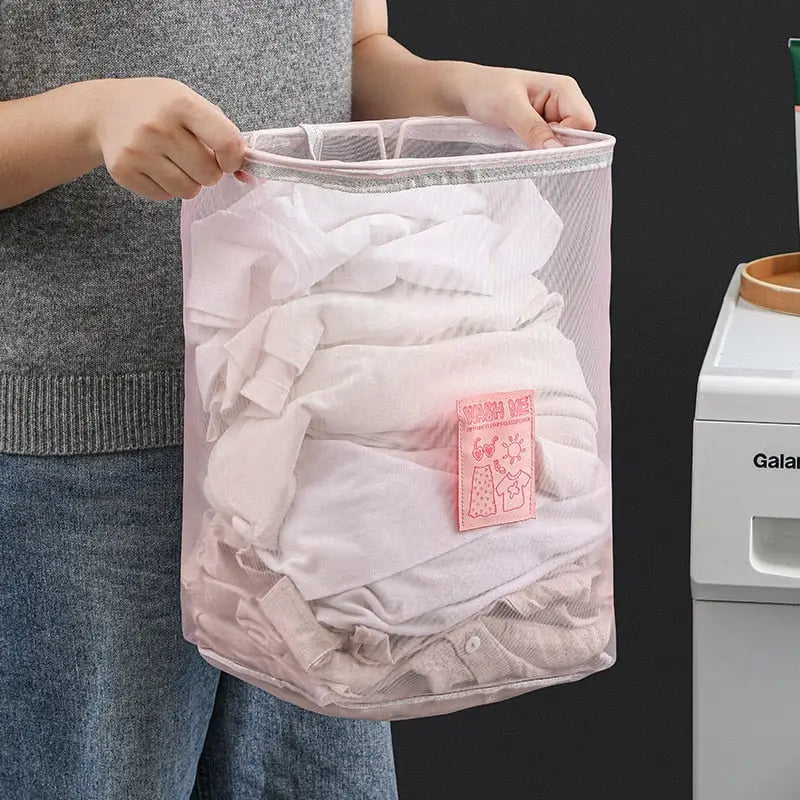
[{"x": 523, "y": 101}]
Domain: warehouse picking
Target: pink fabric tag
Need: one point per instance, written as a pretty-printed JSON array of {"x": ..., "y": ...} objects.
[{"x": 496, "y": 470}]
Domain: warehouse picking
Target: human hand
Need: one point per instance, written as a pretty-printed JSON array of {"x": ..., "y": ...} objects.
[
  {"x": 160, "y": 139},
  {"x": 523, "y": 101}
]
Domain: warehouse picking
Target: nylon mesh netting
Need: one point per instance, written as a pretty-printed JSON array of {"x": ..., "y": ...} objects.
[{"x": 397, "y": 495}]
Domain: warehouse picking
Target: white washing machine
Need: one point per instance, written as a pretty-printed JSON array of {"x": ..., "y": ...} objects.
[{"x": 745, "y": 563}]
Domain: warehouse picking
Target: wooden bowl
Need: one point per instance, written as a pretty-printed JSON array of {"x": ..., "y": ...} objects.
[{"x": 773, "y": 282}]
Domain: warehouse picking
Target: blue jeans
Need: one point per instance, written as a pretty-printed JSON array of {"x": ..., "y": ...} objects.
[{"x": 100, "y": 696}]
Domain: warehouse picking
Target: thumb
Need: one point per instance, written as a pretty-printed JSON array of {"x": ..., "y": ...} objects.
[{"x": 530, "y": 126}]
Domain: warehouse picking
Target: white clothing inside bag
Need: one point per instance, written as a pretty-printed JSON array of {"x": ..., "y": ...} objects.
[
  {"x": 448, "y": 589},
  {"x": 261, "y": 361},
  {"x": 441, "y": 237},
  {"x": 346, "y": 504},
  {"x": 419, "y": 575},
  {"x": 403, "y": 397}
]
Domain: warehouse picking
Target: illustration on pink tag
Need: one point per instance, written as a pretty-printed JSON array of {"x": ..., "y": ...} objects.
[{"x": 495, "y": 459}]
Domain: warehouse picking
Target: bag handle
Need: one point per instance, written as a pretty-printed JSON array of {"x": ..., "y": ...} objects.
[{"x": 315, "y": 138}]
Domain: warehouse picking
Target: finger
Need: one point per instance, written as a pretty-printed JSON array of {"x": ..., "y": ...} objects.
[
  {"x": 573, "y": 109},
  {"x": 171, "y": 178},
  {"x": 213, "y": 128},
  {"x": 524, "y": 120},
  {"x": 244, "y": 177},
  {"x": 581, "y": 122},
  {"x": 196, "y": 159}
]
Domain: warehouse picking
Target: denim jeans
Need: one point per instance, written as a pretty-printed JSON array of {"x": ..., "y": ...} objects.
[{"x": 100, "y": 696}]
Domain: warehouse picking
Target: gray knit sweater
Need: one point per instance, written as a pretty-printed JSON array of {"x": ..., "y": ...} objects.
[{"x": 91, "y": 340}]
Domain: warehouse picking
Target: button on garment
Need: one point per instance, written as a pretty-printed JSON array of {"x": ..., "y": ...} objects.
[{"x": 473, "y": 643}]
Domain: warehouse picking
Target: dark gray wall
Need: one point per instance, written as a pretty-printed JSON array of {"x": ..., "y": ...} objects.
[{"x": 701, "y": 104}]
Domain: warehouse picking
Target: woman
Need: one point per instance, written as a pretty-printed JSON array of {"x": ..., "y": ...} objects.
[{"x": 100, "y": 696}]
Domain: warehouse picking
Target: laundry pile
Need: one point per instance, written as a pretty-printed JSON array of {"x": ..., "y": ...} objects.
[{"x": 334, "y": 334}]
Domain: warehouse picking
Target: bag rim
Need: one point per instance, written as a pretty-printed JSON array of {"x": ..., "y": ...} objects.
[{"x": 595, "y": 151}]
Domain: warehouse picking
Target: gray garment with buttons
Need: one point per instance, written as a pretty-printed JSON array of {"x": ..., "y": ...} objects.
[
  {"x": 91, "y": 340},
  {"x": 255, "y": 622}
]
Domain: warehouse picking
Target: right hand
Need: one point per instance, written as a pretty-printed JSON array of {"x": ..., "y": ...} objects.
[{"x": 160, "y": 139}]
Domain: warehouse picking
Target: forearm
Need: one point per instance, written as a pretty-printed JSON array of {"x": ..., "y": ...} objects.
[
  {"x": 46, "y": 140},
  {"x": 389, "y": 81}
]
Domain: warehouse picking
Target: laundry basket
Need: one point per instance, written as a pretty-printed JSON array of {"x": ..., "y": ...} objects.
[{"x": 397, "y": 496}]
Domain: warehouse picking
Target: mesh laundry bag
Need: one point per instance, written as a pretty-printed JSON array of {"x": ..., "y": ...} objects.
[{"x": 397, "y": 489}]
